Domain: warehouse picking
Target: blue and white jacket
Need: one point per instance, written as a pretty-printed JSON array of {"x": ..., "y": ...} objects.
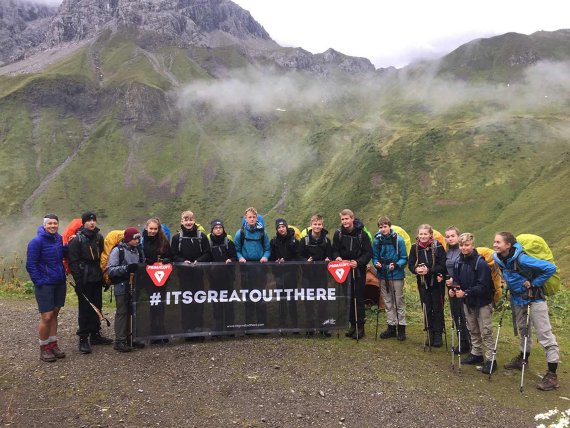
[{"x": 527, "y": 269}]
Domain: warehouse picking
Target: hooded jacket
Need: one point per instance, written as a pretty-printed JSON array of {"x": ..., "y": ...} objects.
[
  {"x": 222, "y": 248},
  {"x": 433, "y": 257},
  {"x": 252, "y": 249},
  {"x": 473, "y": 275},
  {"x": 44, "y": 258},
  {"x": 284, "y": 247},
  {"x": 117, "y": 268},
  {"x": 319, "y": 249},
  {"x": 385, "y": 252},
  {"x": 353, "y": 245},
  {"x": 84, "y": 256},
  {"x": 190, "y": 244},
  {"x": 527, "y": 269}
]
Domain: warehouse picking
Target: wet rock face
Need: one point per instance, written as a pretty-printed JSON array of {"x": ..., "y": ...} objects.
[
  {"x": 21, "y": 27},
  {"x": 78, "y": 19}
]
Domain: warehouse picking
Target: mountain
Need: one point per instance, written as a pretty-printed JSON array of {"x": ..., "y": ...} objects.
[{"x": 135, "y": 111}]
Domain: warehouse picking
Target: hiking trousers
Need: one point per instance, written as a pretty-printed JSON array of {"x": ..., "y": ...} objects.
[
  {"x": 540, "y": 320},
  {"x": 480, "y": 326},
  {"x": 395, "y": 309}
]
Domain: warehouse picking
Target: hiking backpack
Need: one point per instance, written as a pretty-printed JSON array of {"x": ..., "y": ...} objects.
[
  {"x": 535, "y": 246},
  {"x": 487, "y": 255}
]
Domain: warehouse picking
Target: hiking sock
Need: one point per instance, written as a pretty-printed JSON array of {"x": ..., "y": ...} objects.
[
  {"x": 52, "y": 339},
  {"x": 43, "y": 342},
  {"x": 552, "y": 367}
]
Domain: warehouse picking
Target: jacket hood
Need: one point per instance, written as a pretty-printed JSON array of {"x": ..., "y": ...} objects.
[
  {"x": 46, "y": 234},
  {"x": 511, "y": 257},
  {"x": 89, "y": 233},
  {"x": 388, "y": 237}
]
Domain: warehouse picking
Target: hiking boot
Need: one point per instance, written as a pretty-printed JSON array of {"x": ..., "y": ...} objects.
[
  {"x": 489, "y": 367},
  {"x": 401, "y": 332},
  {"x": 437, "y": 342},
  {"x": 55, "y": 350},
  {"x": 97, "y": 339},
  {"x": 351, "y": 331},
  {"x": 360, "y": 332},
  {"x": 46, "y": 354},
  {"x": 472, "y": 359},
  {"x": 137, "y": 344},
  {"x": 122, "y": 347},
  {"x": 516, "y": 363},
  {"x": 84, "y": 345},
  {"x": 325, "y": 333},
  {"x": 549, "y": 382},
  {"x": 389, "y": 332}
]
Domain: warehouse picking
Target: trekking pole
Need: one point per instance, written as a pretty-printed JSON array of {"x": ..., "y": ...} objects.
[
  {"x": 493, "y": 358},
  {"x": 452, "y": 338},
  {"x": 378, "y": 311},
  {"x": 424, "y": 309},
  {"x": 459, "y": 328},
  {"x": 524, "y": 362},
  {"x": 355, "y": 306},
  {"x": 131, "y": 280},
  {"x": 442, "y": 299},
  {"x": 95, "y": 308},
  {"x": 394, "y": 300}
]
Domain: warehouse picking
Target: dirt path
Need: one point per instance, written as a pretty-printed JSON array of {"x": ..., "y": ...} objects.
[{"x": 261, "y": 381}]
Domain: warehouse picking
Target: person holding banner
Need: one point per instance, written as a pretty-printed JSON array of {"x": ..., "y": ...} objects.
[
  {"x": 283, "y": 249},
  {"x": 316, "y": 247},
  {"x": 156, "y": 248},
  {"x": 189, "y": 246},
  {"x": 222, "y": 277},
  {"x": 123, "y": 261},
  {"x": 252, "y": 245},
  {"x": 352, "y": 243}
]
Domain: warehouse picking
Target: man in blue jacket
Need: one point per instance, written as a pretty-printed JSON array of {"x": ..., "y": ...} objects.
[
  {"x": 44, "y": 263},
  {"x": 252, "y": 245},
  {"x": 390, "y": 257},
  {"x": 525, "y": 277}
]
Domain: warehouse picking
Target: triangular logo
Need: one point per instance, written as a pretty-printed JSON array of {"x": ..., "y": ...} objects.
[
  {"x": 159, "y": 273},
  {"x": 339, "y": 270}
]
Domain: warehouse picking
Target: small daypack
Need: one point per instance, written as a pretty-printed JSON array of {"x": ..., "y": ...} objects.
[{"x": 535, "y": 246}]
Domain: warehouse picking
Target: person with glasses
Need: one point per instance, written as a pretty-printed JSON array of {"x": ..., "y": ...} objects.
[{"x": 124, "y": 259}]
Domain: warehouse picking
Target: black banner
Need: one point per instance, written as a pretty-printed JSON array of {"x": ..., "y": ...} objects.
[{"x": 206, "y": 299}]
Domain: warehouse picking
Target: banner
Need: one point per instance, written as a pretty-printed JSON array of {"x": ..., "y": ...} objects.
[{"x": 206, "y": 299}]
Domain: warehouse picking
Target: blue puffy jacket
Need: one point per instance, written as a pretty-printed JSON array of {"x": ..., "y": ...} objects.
[
  {"x": 252, "y": 249},
  {"x": 527, "y": 269},
  {"x": 384, "y": 251},
  {"x": 44, "y": 258}
]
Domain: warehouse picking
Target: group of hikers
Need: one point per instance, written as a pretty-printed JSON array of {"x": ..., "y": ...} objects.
[{"x": 455, "y": 270}]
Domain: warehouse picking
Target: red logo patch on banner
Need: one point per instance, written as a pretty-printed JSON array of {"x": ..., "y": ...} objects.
[
  {"x": 339, "y": 270},
  {"x": 159, "y": 273}
]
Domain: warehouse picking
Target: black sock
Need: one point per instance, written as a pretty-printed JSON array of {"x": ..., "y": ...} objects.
[{"x": 552, "y": 367}]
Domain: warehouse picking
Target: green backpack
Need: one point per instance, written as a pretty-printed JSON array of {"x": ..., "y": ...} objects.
[{"x": 536, "y": 247}]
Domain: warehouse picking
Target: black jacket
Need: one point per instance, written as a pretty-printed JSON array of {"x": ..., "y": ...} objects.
[
  {"x": 85, "y": 256},
  {"x": 151, "y": 248},
  {"x": 222, "y": 248},
  {"x": 191, "y": 245},
  {"x": 473, "y": 275},
  {"x": 284, "y": 247},
  {"x": 354, "y": 245},
  {"x": 433, "y": 257},
  {"x": 318, "y": 249}
]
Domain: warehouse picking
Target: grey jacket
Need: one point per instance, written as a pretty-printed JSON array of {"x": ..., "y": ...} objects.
[{"x": 118, "y": 271}]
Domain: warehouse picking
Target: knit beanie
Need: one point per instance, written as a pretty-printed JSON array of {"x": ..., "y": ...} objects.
[
  {"x": 130, "y": 233},
  {"x": 279, "y": 222},
  {"x": 86, "y": 216},
  {"x": 215, "y": 223}
]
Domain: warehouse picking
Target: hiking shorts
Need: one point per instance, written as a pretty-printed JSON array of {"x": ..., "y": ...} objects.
[{"x": 50, "y": 296}]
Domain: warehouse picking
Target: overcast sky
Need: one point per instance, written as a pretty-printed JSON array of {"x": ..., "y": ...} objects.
[
  {"x": 400, "y": 31},
  {"x": 397, "y": 32}
]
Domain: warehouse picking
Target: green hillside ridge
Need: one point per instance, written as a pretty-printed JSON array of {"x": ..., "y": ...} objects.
[{"x": 151, "y": 132}]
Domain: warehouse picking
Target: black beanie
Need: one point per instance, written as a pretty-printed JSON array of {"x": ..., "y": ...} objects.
[
  {"x": 279, "y": 222},
  {"x": 86, "y": 216},
  {"x": 215, "y": 223}
]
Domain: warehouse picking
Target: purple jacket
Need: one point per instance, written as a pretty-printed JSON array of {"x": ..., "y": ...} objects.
[{"x": 44, "y": 261}]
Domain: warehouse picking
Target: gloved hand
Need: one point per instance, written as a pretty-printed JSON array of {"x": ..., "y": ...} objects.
[{"x": 132, "y": 267}]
